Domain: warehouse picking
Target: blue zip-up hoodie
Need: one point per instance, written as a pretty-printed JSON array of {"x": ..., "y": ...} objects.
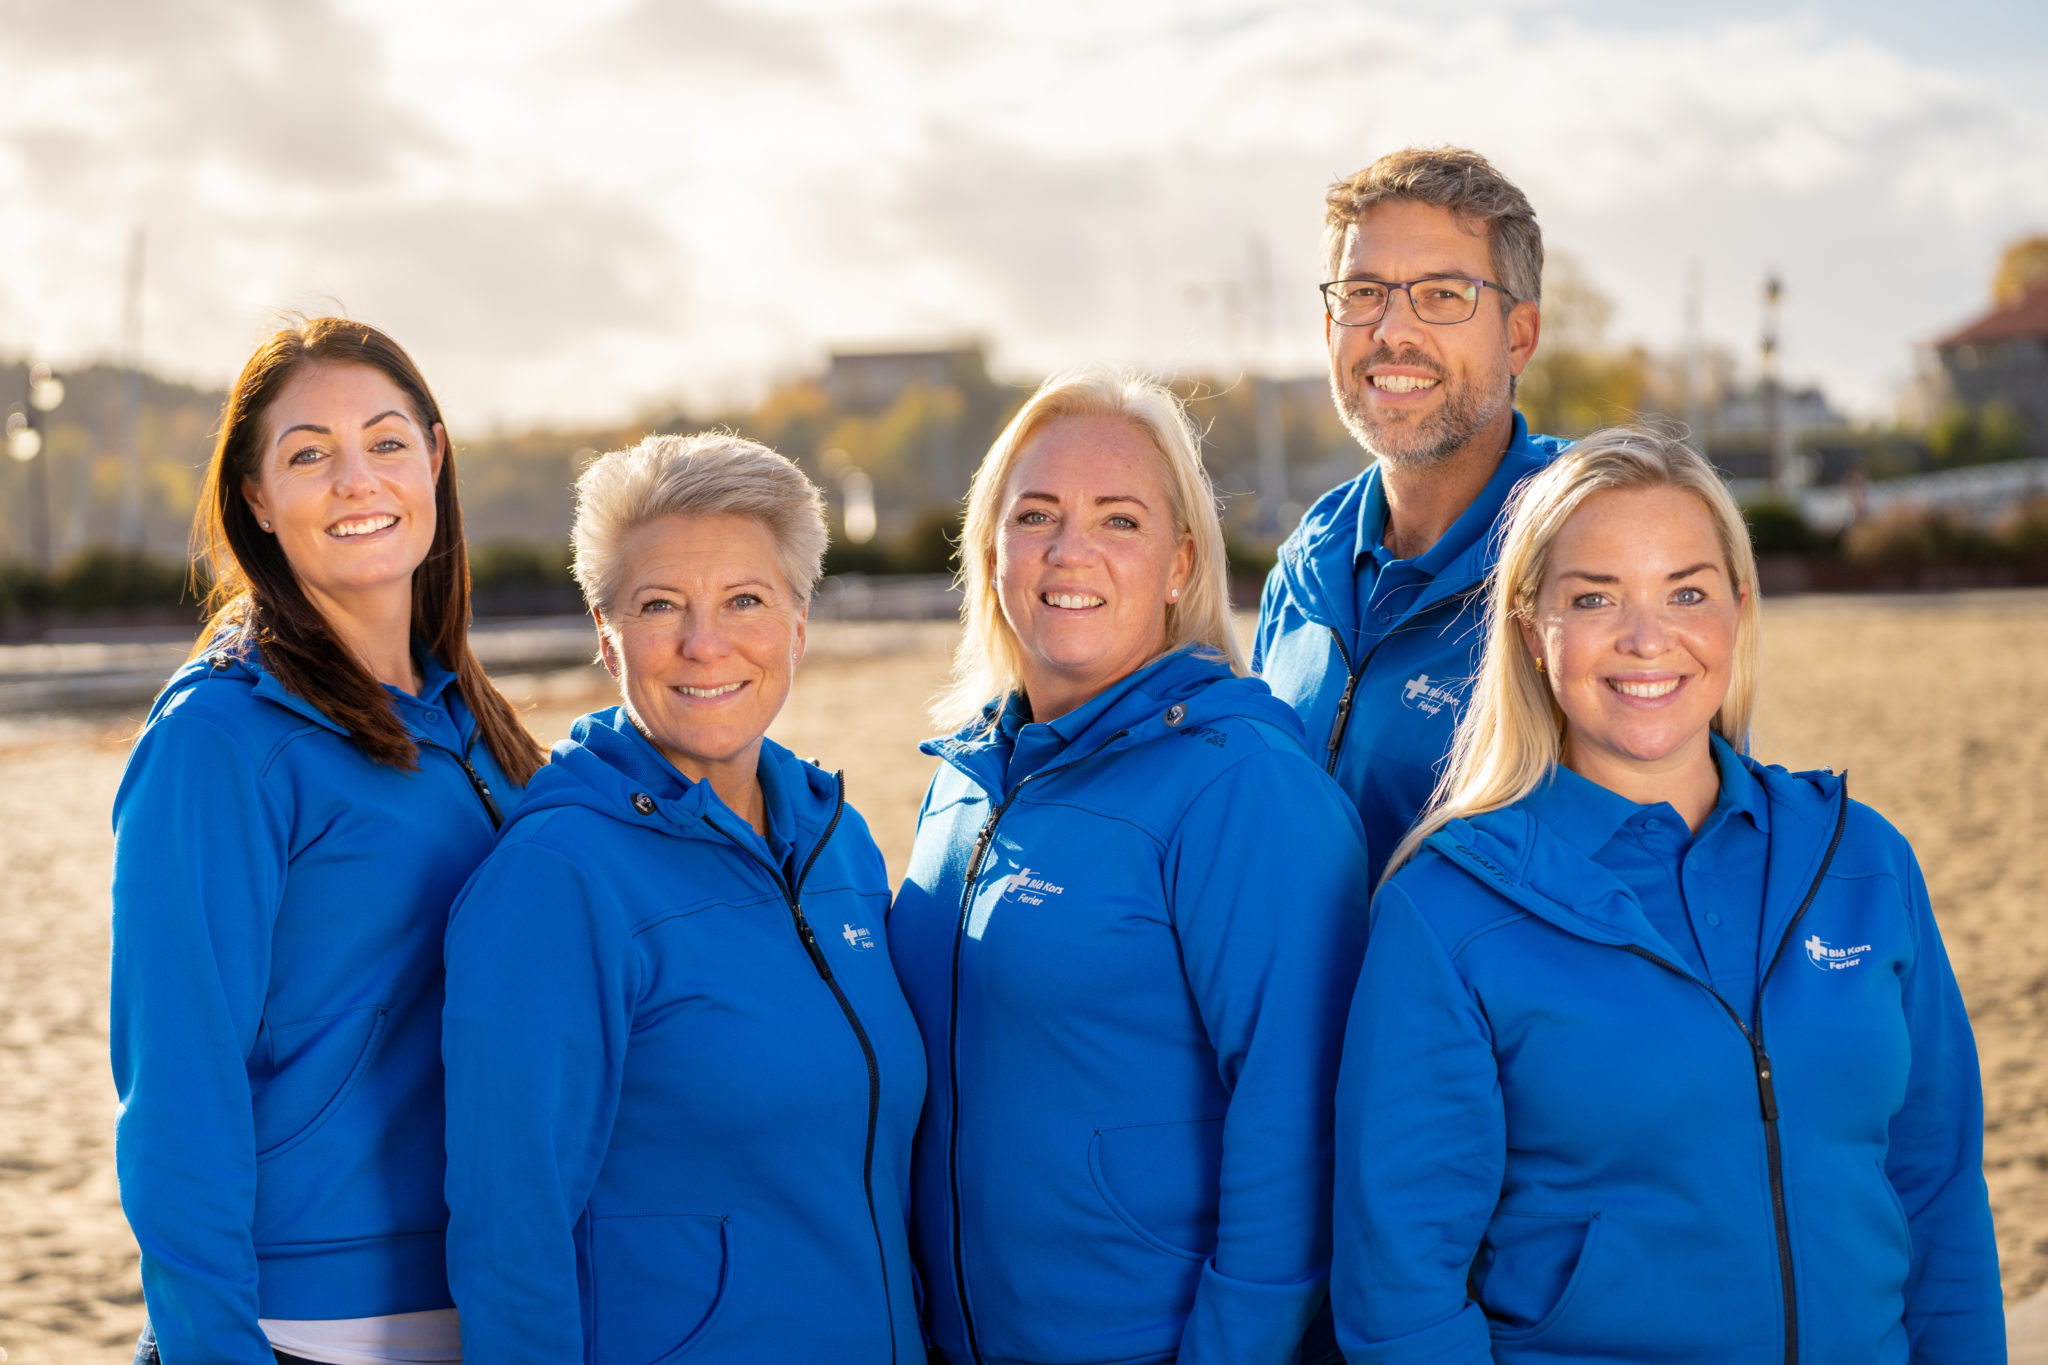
[
  {"x": 1556, "y": 1143},
  {"x": 1131, "y": 965},
  {"x": 1379, "y": 711},
  {"x": 679, "y": 1119},
  {"x": 279, "y": 900}
]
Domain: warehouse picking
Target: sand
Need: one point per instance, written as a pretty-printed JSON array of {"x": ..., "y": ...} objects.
[{"x": 1936, "y": 707}]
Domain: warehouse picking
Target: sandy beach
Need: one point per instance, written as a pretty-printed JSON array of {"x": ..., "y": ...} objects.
[{"x": 1937, "y": 708}]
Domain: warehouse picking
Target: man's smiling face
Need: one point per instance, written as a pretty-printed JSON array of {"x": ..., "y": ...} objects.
[{"x": 1412, "y": 392}]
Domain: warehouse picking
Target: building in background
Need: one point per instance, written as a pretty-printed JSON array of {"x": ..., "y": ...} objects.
[{"x": 2001, "y": 361}]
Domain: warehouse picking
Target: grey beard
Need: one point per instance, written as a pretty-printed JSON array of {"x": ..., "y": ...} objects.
[{"x": 1459, "y": 418}]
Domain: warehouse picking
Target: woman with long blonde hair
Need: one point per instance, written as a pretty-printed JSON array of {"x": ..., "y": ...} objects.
[
  {"x": 1131, "y": 922},
  {"x": 1656, "y": 1055}
]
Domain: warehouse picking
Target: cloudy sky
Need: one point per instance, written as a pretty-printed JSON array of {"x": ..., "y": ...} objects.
[{"x": 576, "y": 210}]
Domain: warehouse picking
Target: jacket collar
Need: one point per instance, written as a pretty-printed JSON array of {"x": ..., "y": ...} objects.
[
  {"x": 607, "y": 765},
  {"x": 237, "y": 656},
  {"x": 1319, "y": 561},
  {"x": 1184, "y": 688},
  {"x": 1587, "y": 815},
  {"x": 1544, "y": 868}
]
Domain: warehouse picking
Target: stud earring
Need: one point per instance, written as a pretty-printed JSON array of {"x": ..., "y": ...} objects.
[
  {"x": 1539, "y": 663},
  {"x": 1173, "y": 596},
  {"x": 265, "y": 525}
]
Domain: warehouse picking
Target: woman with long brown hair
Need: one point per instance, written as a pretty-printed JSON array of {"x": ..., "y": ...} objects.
[{"x": 305, "y": 800}]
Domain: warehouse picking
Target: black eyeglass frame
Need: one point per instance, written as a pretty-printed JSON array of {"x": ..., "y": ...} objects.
[{"x": 1406, "y": 287}]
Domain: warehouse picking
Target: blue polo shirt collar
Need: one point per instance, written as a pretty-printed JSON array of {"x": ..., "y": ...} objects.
[
  {"x": 1587, "y": 815},
  {"x": 1472, "y": 525}
]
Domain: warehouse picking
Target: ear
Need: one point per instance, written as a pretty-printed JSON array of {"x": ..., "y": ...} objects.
[
  {"x": 1525, "y": 324},
  {"x": 803, "y": 621},
  {"x": 605, "y": 653},
  {"x": 252, "y": 494},
  {"x": 440, "y": 451},
  {"x": 1183, "y": 564},
  {"x": 1531, "y": 641}
]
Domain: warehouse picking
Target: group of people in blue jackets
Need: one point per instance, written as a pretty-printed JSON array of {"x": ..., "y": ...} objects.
[{"x": 1443, "y": 982}]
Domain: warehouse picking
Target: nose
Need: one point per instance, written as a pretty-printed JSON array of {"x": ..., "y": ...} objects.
[
  {"x": 352, "y": 476},
  {"x": 702, "y": 638},
  {"x": 1070, "y": 545},
  {"x": 1399, "y": 321},
  {"x": 1645, "y": 633}
]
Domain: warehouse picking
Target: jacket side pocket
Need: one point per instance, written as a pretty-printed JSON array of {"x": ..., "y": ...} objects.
[
  {"x": 658, "y": 1283},
  {"x": 1160, "y": 1180},
  {"x": 1528, "y": 1268},
  {"x": 304, "y": 1051}
]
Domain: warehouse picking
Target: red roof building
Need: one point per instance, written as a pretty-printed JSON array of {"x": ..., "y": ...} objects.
[{"x": 2002, "y": 357}]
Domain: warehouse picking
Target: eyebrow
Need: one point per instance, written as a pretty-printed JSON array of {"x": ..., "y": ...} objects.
[
  {"x": 1455, "y": 272},
  {"x": 1106, "y": 498},
  {"x": 1704, "y": 566},
  {"x": 326, "y": 431}
]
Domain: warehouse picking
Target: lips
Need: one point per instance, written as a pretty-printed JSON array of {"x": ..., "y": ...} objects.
[
  {"x": 1401, "y": 383},
  {"x": 363, "y": 526},
  {"x": 1070, "y": 601}
]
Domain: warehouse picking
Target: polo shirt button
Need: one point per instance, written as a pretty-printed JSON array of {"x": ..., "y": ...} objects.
[
  {"x": 1652, "y": 823},
  {"x": 1692, "y": 864},
  {"x": 1713, "y": 920},
  {"x": 1385, "y": 617},
  {"x": 433, "y": 717}
]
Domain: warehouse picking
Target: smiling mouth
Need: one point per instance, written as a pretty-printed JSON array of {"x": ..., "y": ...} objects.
[
  {"x": 722, "y": 690},
  {"x": 1648, "y": 691},
  {"x": 1069, "y": 601},
  {"x": 362, "y": 526},
  {"x": 1402, "y": 383}
]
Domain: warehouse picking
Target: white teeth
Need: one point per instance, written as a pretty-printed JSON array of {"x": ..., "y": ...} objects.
[
  {"x": 363, "y": 527},
  {"x": 1072, "y": 601},
  {"x": 710, "y": 691},
  {"x": 1644, "y": 689},
  {"x": 1400, "y": 383}
]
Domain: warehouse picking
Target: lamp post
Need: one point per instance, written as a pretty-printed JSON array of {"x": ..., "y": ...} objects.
[{"x": 25, "y": 443}]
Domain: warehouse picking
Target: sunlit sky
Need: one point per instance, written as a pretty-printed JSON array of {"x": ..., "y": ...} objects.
[{"x": 579, "y": 211}]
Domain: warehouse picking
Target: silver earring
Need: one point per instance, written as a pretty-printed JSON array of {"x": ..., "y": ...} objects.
[{"x": 1173, "y": 596}]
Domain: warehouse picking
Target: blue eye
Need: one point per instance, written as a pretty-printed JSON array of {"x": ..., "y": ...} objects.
[
  {"x": 1689, "y": 597},
  {"x": 1033, "y": 517},
  {"x": 1123, "y": 523},
  {"x": 745, "y": 600},
  {"x": 1590, "y": 599}
]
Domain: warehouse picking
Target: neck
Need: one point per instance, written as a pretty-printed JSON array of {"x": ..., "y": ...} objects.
[
  {"x": 1424, "y": 500},
  {"x": 1687, "y": 779},
  {"x": 376, "y": 627}
]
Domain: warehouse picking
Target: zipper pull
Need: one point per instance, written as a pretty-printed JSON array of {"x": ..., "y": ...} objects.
[
  {"x": 1766, "y": 1093},
  {"x": 810, "y": 941},
  {"x": 1343, "y": 710}
]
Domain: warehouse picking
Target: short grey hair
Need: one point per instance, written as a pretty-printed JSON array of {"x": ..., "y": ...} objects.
[
  {"x": 1450, "y": 178},
  {"x": 709, "y": 474}
]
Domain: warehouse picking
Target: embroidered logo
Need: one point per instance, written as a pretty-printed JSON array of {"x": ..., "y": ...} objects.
[
  {"x": 1031, "y": 890},
  {"x": 1828, "y": 958},
  {"x": 1208, "y": 734},
  {"x": 1429, "y": 696},
  {"x": 859, "y": 938}
]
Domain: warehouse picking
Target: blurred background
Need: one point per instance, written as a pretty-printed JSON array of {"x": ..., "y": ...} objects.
[{"x": 860, "y": 230}]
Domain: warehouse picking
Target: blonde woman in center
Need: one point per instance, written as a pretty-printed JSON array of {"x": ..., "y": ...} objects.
[
  {"x": 1656, "y": 1055},
  {"x": 1132, "y": 921}
]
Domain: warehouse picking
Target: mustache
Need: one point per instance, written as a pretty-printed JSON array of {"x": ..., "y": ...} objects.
[{"x": 1386, "y": 355}]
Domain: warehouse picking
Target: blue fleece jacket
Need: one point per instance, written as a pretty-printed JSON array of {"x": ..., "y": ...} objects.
[
  {"x": 682, "y": 1080},
  {"x": 1380, "y": 681},
  {"x": 1130, "y": 957},
  {"x": 1556, "y": 1143},
  {"x": 276, "y": 1016}
]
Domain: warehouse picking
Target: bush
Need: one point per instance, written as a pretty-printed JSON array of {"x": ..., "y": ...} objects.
[
  {"x": 930, "y": 545},
  {"x": 116, "y": 580},
  {"x": 2024, "y": 529},
  {"x": 1963, "y": 435},
  {"x": 1777, "y": 528},
  {"x": 518, "y": 564},
  {"x": 24, "y": 590}
]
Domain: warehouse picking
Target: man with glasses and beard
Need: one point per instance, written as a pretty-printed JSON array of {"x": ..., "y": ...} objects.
[{"x": 1369, "y": 625}]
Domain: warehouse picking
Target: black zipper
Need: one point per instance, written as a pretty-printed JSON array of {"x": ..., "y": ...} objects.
[
  {"x": 982, "y": 843},
  {"x": 793, "y": 894},
  {"x": 1352, "y": 677},
  {"x": 1766, "y": 1087},
  {"x": 476, "y": 782}
]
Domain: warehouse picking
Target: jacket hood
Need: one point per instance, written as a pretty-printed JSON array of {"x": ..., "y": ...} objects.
[
  {"x": 607, "y": 766},
  {"x": 1317, "y": 560},
  {"x": 1522, "y": 859},
  {"x": 234, "y": 657},
  {"x": 1184, "y": 688}
]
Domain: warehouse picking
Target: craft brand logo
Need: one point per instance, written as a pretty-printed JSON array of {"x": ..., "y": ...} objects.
[
  {"x": 1029, "y": 889},
  {"x": 1829, "y": 958},
  {"x": 859, "y": 938},
  {"x": 1423, "y": 693}
]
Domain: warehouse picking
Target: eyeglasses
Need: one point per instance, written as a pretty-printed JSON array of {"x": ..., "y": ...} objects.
[{"x": 1440, "y": 299}]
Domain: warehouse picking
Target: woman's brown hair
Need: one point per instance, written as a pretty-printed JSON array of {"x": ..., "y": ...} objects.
[{"x": 255, "y": 595}]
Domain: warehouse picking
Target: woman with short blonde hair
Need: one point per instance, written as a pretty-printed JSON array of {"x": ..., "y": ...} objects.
[
  {"x": 1130, "y": 926},
  {"x": 681, "y": 1076},
  {"x": 1656, "y": 1054}
]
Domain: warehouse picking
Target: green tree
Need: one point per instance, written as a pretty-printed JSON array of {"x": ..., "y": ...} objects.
[
  {"x": 1576, "y": 382},
  {"x": 2023, "y": 265}
]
